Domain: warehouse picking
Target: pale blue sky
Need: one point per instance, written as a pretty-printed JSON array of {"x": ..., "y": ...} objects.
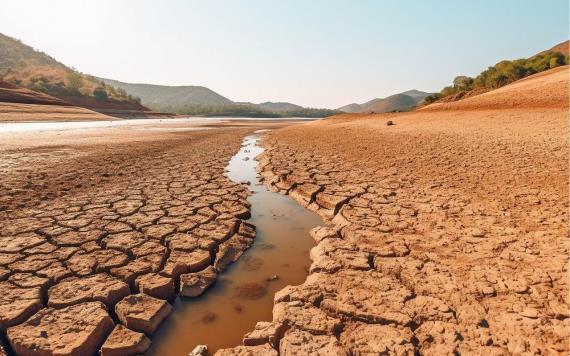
[{"x": 314, "y": 53}]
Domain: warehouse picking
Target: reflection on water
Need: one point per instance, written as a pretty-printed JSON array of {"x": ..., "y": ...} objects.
[{"x": 244, "y": 293}]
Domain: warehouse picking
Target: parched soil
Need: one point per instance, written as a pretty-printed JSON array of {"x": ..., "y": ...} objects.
[
  {"x": 447, "y": 232},
  {"x": 97, "y": 229}
]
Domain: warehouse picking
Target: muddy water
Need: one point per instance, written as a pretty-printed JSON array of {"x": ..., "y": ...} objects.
[{"x": 243, "y": 294}]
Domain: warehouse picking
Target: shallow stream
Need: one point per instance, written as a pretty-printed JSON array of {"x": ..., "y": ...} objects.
[{"x": 243, "y": 294}]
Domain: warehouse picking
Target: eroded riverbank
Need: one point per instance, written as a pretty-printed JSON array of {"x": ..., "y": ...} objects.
[{"x": 243, "y": 295}]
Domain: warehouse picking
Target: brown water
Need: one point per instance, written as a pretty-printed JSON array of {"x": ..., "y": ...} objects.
[{"x": 243, "y": 294}]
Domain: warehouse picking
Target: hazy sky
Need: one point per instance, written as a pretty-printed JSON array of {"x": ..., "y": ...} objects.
[{"x": 314, "y": 53}]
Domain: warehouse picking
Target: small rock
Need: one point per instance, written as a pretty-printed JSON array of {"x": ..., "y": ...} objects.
[
  {"x": 478, "y": 233},
  {"x": 273, "y": 278},
  {"x": 390, "y": 123},
  {"x": 529, "y": 313},
  {"x": 156, "y": 286},
  {"x": 265, "y": 332},
  {"x": 194, "y": 284},
  {"x": 142, "y": 313},
  {"x": 123, "y": 341},
  {"x": 200, "y": 350}
]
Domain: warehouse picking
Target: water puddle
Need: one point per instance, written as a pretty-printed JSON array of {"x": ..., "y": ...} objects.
[{"x": 243, "y": 294}]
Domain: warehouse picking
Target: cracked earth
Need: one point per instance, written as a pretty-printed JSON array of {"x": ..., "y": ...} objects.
[
  {"x": 445, "y": 233},
  {"x": 440, "y": 239},
  {"x": 97, "y": 238}
]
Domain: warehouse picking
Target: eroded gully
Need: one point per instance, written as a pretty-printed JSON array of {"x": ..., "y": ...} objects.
[{"x": 243, "y": 294}]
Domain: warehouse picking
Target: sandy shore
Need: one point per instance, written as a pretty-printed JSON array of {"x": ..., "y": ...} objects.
[{"x": 447, "y": 232}]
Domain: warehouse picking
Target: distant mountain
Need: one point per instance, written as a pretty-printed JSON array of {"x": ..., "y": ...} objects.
[
  {"x": 31, "y": 76},
  {"x": 351, "y": 108},
  {"x": 279, "y": 107},
  {"x": 416, "y": 94},
  {"x": 30, "y": 70},
  {"x": 196, "y": 100},
  {"x": 171, "y": 98},
  {"x": 397, "y": 102}
]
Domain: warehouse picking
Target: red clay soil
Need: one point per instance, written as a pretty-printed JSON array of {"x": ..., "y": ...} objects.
[
  {"x": 10, "y": 93},
  {"x": 17, "y": 112},
  {"x": 88, "y": 221},
  {"x": 83, "y": 107},
  {"x": 447, "y": 231}
]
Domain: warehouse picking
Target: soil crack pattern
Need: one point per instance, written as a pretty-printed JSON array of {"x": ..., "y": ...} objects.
[
  {"x": 97, "y": 240},
  {"x": 418, "y": 257},
  {"x": 243, "y": 295}
]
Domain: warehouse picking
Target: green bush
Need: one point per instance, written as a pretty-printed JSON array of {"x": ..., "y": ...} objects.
[
  {"x": 100, "y": 94},
  {"x": 74, "y": 81},
  {"x": 502, "y": 73}
]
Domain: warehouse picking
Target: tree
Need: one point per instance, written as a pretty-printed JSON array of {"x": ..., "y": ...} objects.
[
  {"x": 100, "y": 94},
  {"x": 74, "y": 81},
  {"x": 462, "y": 83}
]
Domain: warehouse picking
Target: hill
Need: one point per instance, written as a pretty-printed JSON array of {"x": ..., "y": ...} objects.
[
  {"x": 10, "y": 93},
  {"x": 547, "y": 89},
  {"x": 397, "y": 102},
  {"x": 563, "y": 47},
  {"x": 279, "y": 107},
  {"x": 501, "y": 74},
  {"x": 171, "y": 98},
  {"x": 27, "y": 68}
]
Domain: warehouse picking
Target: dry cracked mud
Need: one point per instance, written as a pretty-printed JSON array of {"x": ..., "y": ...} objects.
[
  {"x": 99, "y": 233},
  {"x": 446, "y": 233}
]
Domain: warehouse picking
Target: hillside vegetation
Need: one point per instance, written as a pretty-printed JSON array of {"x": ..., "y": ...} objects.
[
  {"x": 501, "y": 74},
  {"x": 197, "y": 100},
  {"x": 171, "y": 98},
  {"x": 27, "y": 68},
  {"x": 253, "y": 110}
]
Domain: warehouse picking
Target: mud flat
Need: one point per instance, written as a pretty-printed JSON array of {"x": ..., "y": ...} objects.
[
  {"x": 100, "y": 229},
  {"x": 243, "y": 294},
  {"x": 447, "y": 232}
]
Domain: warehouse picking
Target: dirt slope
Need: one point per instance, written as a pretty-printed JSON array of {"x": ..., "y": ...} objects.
[
  {"x": 10, "y": 93},
  {"x": 17, "y": 112},
  {"x": 548, "y": 89}
]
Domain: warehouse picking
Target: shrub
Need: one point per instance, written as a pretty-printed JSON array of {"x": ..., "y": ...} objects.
[
  {"x": 502, "y": 73},
  {"x": 74, "y": 81},
  {"x": 100, "y": 94}
]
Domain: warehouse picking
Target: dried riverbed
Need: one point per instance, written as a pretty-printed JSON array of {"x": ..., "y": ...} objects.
[{"x": 244, "y": 293}]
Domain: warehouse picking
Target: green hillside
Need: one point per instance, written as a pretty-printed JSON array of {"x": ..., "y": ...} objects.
[{"x": 28, "y": 68}]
